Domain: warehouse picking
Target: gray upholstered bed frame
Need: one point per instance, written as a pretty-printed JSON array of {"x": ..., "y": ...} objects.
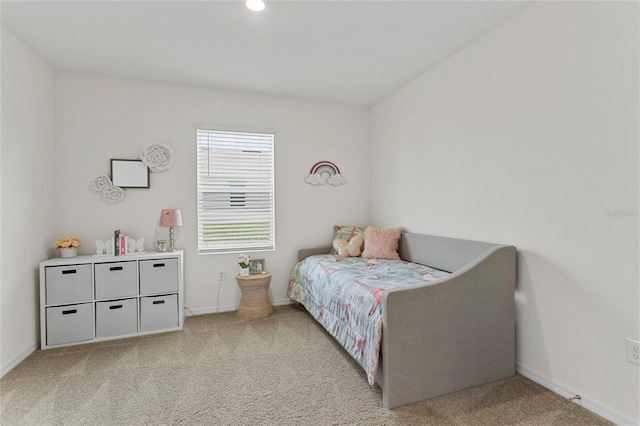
[{"x": 452, "y": 333}]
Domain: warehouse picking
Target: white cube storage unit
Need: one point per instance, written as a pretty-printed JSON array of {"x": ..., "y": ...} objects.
[{"x": 93, "y": 298}]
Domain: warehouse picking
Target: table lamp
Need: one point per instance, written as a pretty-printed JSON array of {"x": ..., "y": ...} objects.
[{"x": 171, "y": 218}]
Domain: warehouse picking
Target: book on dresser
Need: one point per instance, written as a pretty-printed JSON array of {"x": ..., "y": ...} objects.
[{"x": 94, "y": 298}]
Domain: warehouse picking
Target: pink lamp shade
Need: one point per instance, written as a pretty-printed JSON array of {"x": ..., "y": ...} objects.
[{"x": 171, "y": 217}]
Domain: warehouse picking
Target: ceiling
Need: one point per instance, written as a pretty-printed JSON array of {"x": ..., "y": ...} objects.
[{"x": 347, "y": 52}]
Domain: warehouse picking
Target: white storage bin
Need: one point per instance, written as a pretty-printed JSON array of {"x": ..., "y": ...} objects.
[
  {"x": 116, "y": 318},
  {"x": 71, "y": 323},
  {"x": 116, "y": 280},
  {"x": 158, "y": 276},
  {"x": 158, "y": 312},
  {"x": 68, "y": 284}
]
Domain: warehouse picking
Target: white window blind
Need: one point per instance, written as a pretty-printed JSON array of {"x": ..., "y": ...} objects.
[{"x": 236, "y": 202}]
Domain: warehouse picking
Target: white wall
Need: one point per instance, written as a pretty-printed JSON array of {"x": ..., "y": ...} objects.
[
  {"x": 525, "y": 137},
  {"x": 528, "y": 136},
  {"x": 27, "y": 182},
  {"x": 101, "y": 118}
]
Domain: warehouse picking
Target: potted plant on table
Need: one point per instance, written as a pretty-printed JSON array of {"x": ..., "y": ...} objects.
[
  {"x": 243, "y": 261},
  {"x": 68, "y": 246}
]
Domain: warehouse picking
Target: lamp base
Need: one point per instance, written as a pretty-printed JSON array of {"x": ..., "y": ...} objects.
[{"x": 171, "y": 239}]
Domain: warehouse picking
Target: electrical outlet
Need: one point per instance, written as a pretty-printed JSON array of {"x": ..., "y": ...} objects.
[
  {"x": 633, "y": 351},
  {"x": 221, "y": 275}
]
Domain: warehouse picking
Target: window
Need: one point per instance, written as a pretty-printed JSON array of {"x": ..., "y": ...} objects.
[{"x": 236, "y": 203}]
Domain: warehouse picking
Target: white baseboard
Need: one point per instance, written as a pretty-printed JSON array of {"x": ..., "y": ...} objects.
[
  {"x": 228, "y": 308},
  {"x": 587, "y": 402},
  {"x": 17, "y": 360}
]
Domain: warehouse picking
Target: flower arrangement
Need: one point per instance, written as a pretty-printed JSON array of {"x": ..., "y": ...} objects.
[
  {"x": 244, "y": 260},
  {"x": 67, "y": 242}
]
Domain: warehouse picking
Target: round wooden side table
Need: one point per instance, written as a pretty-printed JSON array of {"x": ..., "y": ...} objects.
[{"x": 254, "y": 301}]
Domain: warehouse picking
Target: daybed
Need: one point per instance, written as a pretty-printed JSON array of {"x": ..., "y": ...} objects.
[{"x": 441, "y": 336}]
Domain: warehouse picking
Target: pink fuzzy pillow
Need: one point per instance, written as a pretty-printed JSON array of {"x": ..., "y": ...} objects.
[{"x": 381, "y": 243}]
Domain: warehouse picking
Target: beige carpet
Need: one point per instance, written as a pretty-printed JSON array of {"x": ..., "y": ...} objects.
[{"x": 282, "y": 370}]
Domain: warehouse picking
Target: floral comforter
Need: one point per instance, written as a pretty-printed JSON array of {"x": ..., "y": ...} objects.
[{"x": 345, "y": 296}]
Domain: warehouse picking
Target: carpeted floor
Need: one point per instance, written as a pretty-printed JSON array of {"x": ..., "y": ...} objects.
[{"x": 220, "y": 370}]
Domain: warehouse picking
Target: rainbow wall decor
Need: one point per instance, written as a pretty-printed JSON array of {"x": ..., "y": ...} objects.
[{"x": 325, "y": 172}]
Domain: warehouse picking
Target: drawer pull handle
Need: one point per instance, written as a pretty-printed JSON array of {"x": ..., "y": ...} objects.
[
  {"x": 158, "y": 302},
  {"x": 116, "y": 268},
  {"x": 115, "y": 307},
  {"x": 70, "y": 311},
  {"x": 158, "y": 265},
  {"x": 69, "y": 271}
]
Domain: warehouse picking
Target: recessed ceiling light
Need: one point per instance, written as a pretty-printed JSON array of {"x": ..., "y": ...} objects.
[{"x": 255, "y": 5}]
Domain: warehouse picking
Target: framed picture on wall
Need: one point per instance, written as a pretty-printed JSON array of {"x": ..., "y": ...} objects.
[
  {"x": 256, "y": 266},
  {"x": 129, "y": 173}
]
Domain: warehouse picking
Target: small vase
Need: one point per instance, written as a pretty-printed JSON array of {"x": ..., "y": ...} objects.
[
  {"x": 244, "y": 272},
  {"x": 68, "y": 252}
]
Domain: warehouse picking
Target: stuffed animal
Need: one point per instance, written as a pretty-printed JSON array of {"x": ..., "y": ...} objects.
[
  {"x": 341, "y": 246},
  {"x": 353, "y": 248},
  {"x": 355, "y": 245}
]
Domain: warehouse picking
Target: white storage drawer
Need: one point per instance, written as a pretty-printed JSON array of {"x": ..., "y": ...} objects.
[
  {"x": 67, "y": 324},
  {"x": 116, "y": 280},
  {"x": 158, "y": 312},
  {"x": 158, "y": 276},
  {"x": 68, "y": 284},
  {"x": 116, "y": 318}
]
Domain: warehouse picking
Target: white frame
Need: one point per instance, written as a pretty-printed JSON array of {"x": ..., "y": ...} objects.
[{"x": 129, "y": 173}]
